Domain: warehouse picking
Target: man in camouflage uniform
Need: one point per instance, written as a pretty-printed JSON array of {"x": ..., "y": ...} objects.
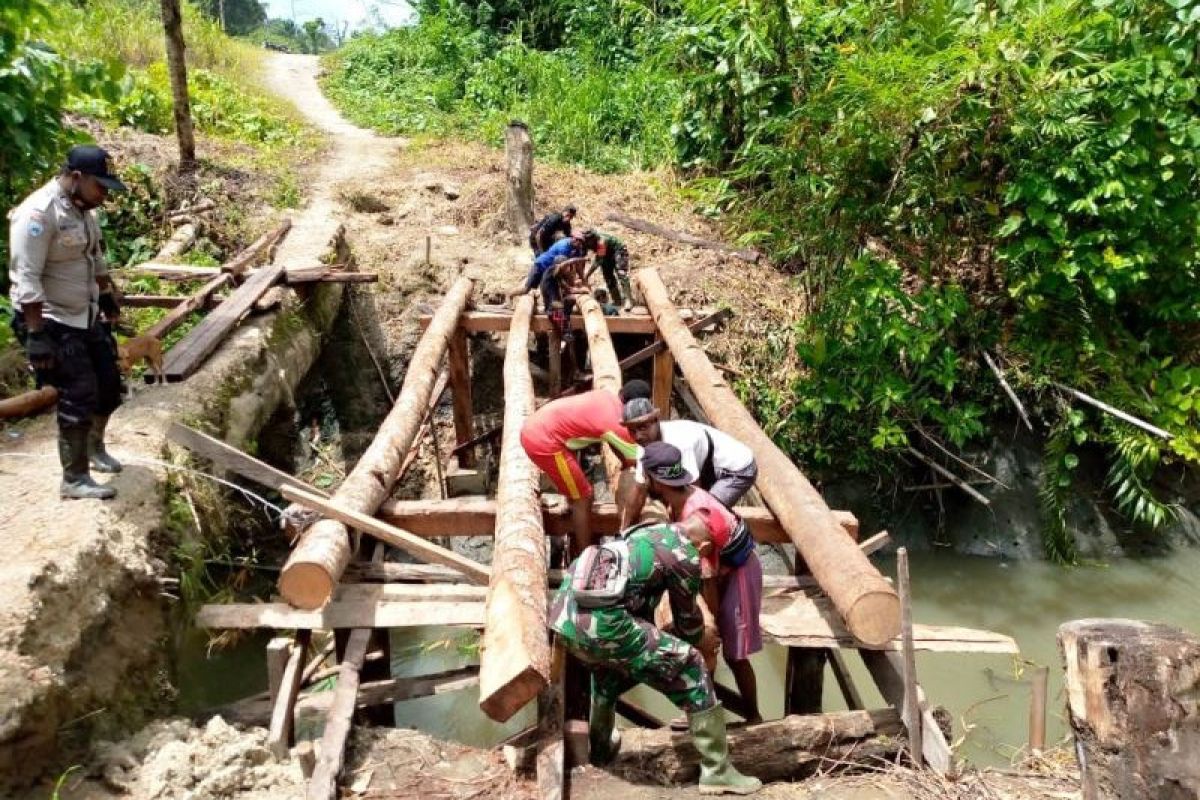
[{"x": 619, "y": 641}]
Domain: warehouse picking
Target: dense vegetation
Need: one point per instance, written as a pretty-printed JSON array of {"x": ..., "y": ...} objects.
[{"x": 945, "y": 178}]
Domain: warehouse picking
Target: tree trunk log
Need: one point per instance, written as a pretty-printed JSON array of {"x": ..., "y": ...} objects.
[
  {"x": 606, "y": 374},
  {"x": 179, "y": 243},
  {"x": 865, "y": 600},
  {"x": 518, "y": 148},
  {"x": 27, "y": 403},
  {"x": 515, "y": 660},
  {"x": 781, "y": 750},
  {"x": 321, "y": 556},
  {"x": 1133, "y": 701},
  {"x": 177, "y": 67}
]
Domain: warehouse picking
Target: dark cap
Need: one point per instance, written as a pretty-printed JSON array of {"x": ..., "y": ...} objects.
[
  {"x": 638, "y": 408},
  {"x": 570, "y": 210},
  {"x": 664, "y": 463},
  {"x": 95, "y": 161},
  {"x": 634, "y": 389}
]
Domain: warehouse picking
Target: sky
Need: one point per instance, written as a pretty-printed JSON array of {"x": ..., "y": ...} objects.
[{"x": 394, "y": 12}]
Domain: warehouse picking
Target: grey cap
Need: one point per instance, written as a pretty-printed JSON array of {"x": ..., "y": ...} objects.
[{"x": 637, "y": 408}]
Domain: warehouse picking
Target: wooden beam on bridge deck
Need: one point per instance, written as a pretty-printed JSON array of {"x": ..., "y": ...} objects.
[
  {"x": 458, "y": 355},
  {"x": 319, "y": 558},
  {"x": 862, "y": 596},
  {"x": 515, "y": 659},
  {"x": 495, "y": 321}
]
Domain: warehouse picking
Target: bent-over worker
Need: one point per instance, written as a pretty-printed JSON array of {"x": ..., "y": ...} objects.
[
  {"x": 612, "y": 258},
  {"x": 545, "y": 231},
  {"x": 64, "y": 306},
  {"x": 543, "y": 263},
  {"x": 603, "y": 614},
  {"x": 732, "y": 573},
  {"x": 552, "y": 435}
]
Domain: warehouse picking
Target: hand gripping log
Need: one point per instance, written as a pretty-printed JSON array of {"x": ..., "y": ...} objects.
[
  {"x": 866, "y": 601},
  {"x": 319, "y": 559}
]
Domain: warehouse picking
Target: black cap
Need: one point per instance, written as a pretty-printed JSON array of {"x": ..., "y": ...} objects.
[
  {"x": 634, "y": 389},
  {"x": 570, "y": 209},
  {"x": 664, "y": 463},
  {"x": 95, "y": 161}
]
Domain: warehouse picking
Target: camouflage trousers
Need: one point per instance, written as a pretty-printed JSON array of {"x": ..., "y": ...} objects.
[{"x": 624, "y": 650}]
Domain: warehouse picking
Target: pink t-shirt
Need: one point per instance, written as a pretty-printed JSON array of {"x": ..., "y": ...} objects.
[{"x": 720, "y": 520}]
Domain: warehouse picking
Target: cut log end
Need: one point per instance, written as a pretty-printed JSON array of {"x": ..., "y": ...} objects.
[
  {"x": 510, "y": 697},
  {"x": 306, "y": 586},
  {"x": 874, "y": 619}
]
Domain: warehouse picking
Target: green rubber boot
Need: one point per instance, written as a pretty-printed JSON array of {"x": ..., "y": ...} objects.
[
  {"x": 100, "y": 458},
  {"x": 77, "y": 483},
  {"x": 604, "y": 739},
  {"x": 717, "y": 775}
]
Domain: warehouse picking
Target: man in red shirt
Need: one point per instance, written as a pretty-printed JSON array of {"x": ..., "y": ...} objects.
[
  {"x": 730, "y": 569},
  {"x": 553, "y": 433}
]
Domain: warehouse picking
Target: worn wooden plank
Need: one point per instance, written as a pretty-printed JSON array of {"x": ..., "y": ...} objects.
[
  {"x": 279, "y": 737},
  {"x": 552, "y": 773},
  {"x": 887, "y": 671},
  {"x": 189, "y": 354},
  {"x": 244, "y": 260},
  {"x": 297, "y": 277},
  {"x": 908, "y": 661},
  {"x": 458, "y": 358},
  {"x": 186, "y": 307},
  {"x": 227, "y": 457},
  {"x": 335, "y": 615},
  {"x": 279, "y": 650},
  {"x": 323, "y": 785},
  {"x": 410, "y": 543}
]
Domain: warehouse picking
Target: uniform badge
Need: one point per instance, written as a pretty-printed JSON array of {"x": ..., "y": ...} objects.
[{"x": 37, "y": 224}]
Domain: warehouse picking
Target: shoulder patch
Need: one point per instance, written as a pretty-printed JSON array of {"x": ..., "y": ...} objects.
[{"x": 36, "y": 226}]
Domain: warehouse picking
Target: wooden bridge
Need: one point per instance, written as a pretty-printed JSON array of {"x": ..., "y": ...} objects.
[{"x": 836, "y": 599}]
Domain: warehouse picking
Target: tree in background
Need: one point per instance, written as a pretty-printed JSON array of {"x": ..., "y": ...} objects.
[
  {"x": 241, "y": 16},
  {"x": 177, "y": 67}
]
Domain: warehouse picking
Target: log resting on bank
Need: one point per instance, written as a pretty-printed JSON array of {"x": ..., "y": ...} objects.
[
  {"x": 865, "y": 600},
  {"x": 515, "y": 660},
  {"x": 781, "y": 750},
  {"x": 321, "y": 556}
]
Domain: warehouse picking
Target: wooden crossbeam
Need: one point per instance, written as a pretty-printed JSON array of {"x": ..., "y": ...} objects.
[
  {"x": 493, "y": 321},
  {"x": 194, "y": 349},
  {"x": 186, "y": 307},
  {"x": 279, "y": 737},
  {"x": 336, "y": 615}
]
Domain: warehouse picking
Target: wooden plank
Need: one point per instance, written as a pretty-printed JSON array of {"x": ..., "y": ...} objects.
[
  {"x": 410, "y": 543},
  {"x": 800, "y": 620},
  {"x": 552, "y": 774},
  {"x": 658, "y": 345},
  {"x": 152, "y": 300},
  {"x": 189, "y": 354},
  {"x": 279, "y": 650},
  {"x": 227, "y": 457},
  {"x": 912, "y": 708},
  {"x": 494, "y": 322},
  {"x": 238, "y": 265},
  {"x": 323, "y": 785},
  {"x": 179, "y": 271},
  {"x": 280, "y": 735},
  {"x": 458, "y": 357},
  {"x": 176, "y": 317},
  {"x": 887, "y": 671},
  {"x": 304, "y": 275},
  {"x": 338, "y": 615}
]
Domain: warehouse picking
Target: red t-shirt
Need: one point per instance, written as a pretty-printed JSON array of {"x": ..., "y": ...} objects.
[
  {"x": 720, "y": 520},
  {"x": 576, "y": 421}
]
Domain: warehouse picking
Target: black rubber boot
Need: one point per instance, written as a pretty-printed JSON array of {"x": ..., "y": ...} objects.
[
  {"x": 77, "y": 483},
  {"x": 100, "y": 458}
]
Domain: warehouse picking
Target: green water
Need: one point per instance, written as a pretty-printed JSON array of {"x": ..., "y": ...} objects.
[{"x": 987, "y": 695}]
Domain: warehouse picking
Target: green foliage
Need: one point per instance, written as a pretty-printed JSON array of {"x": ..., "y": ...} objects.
[
  {"x": 241, "y": 16},
  {"x": 447, "y": 76}
]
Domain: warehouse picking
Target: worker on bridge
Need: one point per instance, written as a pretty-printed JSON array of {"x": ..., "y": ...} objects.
[
  {"x": 612, "y": 258},
  {"x": 603, "y": 614},
  {"x": 555, "y": 432},
  {"x": 550, "y": 228},
  {"x": 569, "y": 248},
  {"x": 722, "y": 466},
  {"x": 732, "y": 572},
  {"x": 64, "y": 306}
]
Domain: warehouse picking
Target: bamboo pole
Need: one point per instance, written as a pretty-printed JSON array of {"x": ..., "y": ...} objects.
[
  {"x": 514, "y": 664},
  {"x": 1037, "y": 710},
  {"x": 320, "y": 557},
  {"x": 1118, "y": 413},
  {"x": 862, "y": 596}
]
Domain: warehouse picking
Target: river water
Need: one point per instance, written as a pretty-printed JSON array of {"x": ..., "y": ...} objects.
[{"x": 988, "y": 695}]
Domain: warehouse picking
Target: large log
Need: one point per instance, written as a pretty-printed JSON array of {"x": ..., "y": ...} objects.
[
  {"x": 1133, "y": 702},
  {"x": 606, "y": 372},
  {"x": 781, "y": 750},
  {"x": 678, "y": 236},
  {"x": 865, "y": 600},
  {"x": 515, "y": 661},
  {"x": 518, "y": 200},
  {"x": 27, "y": 403},
  {"x": 321, "y": 556}
]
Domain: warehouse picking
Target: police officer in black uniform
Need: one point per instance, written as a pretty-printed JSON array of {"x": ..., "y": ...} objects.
[{"x": 64, "y": 306}]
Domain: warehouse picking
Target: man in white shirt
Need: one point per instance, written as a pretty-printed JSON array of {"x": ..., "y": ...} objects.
[{"x": 725, "y": 468}]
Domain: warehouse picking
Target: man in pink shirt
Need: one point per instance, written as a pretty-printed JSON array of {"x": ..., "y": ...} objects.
[{"x": 730, "y": 569}]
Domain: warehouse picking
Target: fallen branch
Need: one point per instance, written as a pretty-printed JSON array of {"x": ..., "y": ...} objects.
[
  {"x": 948, "y": 475},
  {"x": 1116, "y": 412},
  {"x": 1008, "y": 390},
  {"x": 678, "y": 236},
  {"x": 960, "y": 460}
]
